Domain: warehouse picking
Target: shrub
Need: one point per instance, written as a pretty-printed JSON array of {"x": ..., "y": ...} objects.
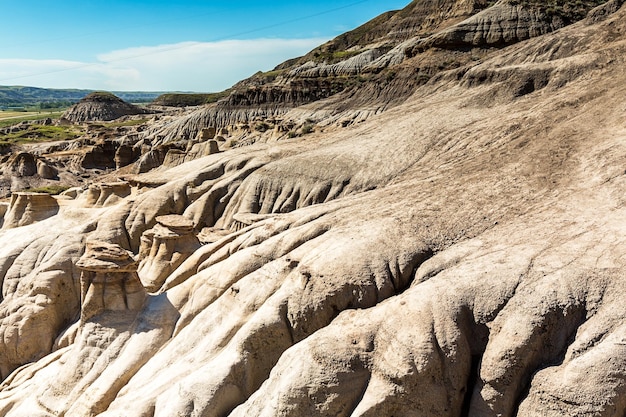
[
  {"x": 307, "y": 128},
  {"x": 262, "y": 127}
]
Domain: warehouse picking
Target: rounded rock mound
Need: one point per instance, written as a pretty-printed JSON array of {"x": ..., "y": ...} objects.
[{"x": 101, "y": 107}]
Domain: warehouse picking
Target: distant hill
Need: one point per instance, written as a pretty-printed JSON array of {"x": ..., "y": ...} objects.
[
  {"x": 189, "y": 99},
  {"x": 101, "y": 106},
  {"x": 20, "y": 96}
]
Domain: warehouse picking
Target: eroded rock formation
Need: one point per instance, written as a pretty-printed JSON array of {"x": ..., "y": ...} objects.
[
  {"x": 109, "y": 281},
  {"x": 101, "y": 106},
  {"x": 458, "y": 254},
  {"x": 28, "y": 208},
  {"x": 164, "y": 248},
  {"x": 105, "y": 194},
  {"x": 359, "y": 74}
]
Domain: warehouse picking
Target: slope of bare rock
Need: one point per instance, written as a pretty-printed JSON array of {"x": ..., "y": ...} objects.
[
  {"x": 603, "y": 11},
  {"x": 455, "y": 255},
  {"x": 502, "y": 24},
  {"x": 220, "y": 116},
  {"x": 104, "y": 194},
  {"x": 417, "y": 18},
  {"x": 351, "y": 66},
  {"x": 40, "y": 288},
  {"x": 380, "y": 362}
]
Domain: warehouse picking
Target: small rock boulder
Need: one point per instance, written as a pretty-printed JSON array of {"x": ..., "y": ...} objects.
[
  {"x": 46, "y": 171},
  {"x": 207, "y": 133}
]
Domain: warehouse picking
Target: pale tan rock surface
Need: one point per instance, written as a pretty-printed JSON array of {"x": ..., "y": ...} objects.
[
  {"x": 459, "y": 255},
  {"x": 104, "y": 194},
  {"x": 27, "y": 208},
  {"x": 163, "y": 248}
]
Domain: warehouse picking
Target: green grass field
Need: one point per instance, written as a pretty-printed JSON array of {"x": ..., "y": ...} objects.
[
  {"x": 40, "y": 133},
  {"x": 9, "y": 118},
  {"x": 35, "y": 132}
]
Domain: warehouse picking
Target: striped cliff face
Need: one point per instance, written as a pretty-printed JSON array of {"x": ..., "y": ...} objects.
[{"x": 381, "y": 63}]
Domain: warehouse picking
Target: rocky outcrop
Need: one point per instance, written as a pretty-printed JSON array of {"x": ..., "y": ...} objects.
[
  {"x": 46, "y": 171},
  {"x": 28, "y": 208},
  {"x": 503, "y": 24},
  {"x": 223, "y": 116},
  {"x": 156, "y": 157},
  {"x": 23, "y": 164},
  {"x": 416, "y": 19},
  {"x": 298, "y": 91},
  {"x": 26, "y": 164},
  {"x": 101, "y": 106},
  {"x": 102, "y": 155},
  {"x": 603, "y": 11},
  {"x": 164, "y": 248},
  {"x": 105, "y": 194},
  {"x": 194, "y": 150},
  {"x": 125, "y": 155},
  {"x": 207, "y": 133},
  {"x": 109, "y": 281},
  {"x": 350, "y": 66}
]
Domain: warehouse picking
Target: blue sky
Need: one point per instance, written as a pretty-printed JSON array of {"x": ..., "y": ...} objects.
[{"x": 165, "y": 45}]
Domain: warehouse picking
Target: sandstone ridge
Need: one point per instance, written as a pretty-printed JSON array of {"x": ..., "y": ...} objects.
[{"x": 379, "y": 64}]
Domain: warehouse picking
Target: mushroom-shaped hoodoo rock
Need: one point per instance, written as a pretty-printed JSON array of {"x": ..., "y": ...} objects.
[
  {"x": 164, "y": 248},
  {"x": 109, "y": 280}
]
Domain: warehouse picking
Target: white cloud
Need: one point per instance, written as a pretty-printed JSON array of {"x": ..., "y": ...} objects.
[
  {"x": 187, "y": 66},
  {"x": 60, "y": 73}
]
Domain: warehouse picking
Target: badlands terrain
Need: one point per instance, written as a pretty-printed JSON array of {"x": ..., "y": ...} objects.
[{"x": 424, "y": 217}]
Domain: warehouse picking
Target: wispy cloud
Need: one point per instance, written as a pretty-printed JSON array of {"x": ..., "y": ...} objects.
[
  {"x": 61, "y": 74},
  {"x": 187, "y": 66}
]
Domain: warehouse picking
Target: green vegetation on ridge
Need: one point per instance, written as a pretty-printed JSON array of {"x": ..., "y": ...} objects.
[
  {"x": 20, "y": 97},
  {"x": 10, "y": 118},
  {"x": 188, "y": 99},
  {"x": 50, "y": 189},
  {"x": 40, "y": 133},
  {"x": 28, "y": 127}
]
